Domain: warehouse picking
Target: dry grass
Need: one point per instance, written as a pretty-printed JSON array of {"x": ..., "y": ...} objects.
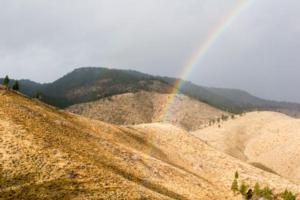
[
  {"x": 148, "y": 107},
  {"x": 267, "y": 139},
  {"x": 51, "y": 154}
]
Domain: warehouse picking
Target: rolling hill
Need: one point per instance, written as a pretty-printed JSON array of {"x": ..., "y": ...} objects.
[
  {"x": 90, "y": 84},
  {"x": 265, "y": 139},
  {"x": 48, "y": 153},
  {"x": 148, "y": 107}
]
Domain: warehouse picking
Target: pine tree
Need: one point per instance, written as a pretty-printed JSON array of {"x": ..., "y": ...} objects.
[
  {"x": 38, "y": 95},
  {"x": 235, "y": 186},
  {"x": 6, "y": 81},
  {"x": 236, "y": 175},
  {"x": 16, "y": 86}
]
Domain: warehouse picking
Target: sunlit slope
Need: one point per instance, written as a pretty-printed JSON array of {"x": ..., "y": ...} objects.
[
  {"x": 51, "y": 154},
  {"x": 148, "y": 107},
  {"x": 266, "y": 139}
]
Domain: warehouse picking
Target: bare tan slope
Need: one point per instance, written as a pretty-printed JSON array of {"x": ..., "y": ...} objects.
[
  {"x": 198, "y": 158},
  {"x": 50, "y": 154},
  {"x": 147, "y": 107},
  {"x": 266, "y": 139}
]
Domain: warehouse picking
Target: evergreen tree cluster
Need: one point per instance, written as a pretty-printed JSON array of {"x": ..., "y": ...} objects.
[
  {"x": 258, "y": 192},
  {"x": 15, "y": 85}
]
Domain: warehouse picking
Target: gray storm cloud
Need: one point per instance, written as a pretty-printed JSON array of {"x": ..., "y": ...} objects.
[{"x": 42, "y": 40}]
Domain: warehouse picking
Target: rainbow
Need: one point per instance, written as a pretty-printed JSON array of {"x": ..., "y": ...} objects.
[{"x": 213, "y": 36}]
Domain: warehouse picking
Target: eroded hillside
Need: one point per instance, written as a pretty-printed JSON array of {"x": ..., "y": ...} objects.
[
  {"x": 51, "y": 154},
  {"x": 148, "y": 107},
  {"x": 266, "y": 139}
]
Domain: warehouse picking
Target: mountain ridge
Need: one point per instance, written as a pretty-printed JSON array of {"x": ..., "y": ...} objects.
[{"x": 93, "y": 83}]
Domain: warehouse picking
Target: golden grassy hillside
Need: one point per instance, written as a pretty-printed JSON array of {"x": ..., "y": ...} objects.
[
  {"x": 147, "y": 107},
  {"x": 266, "y": 139},
  {"x": 46, "y": 153}
]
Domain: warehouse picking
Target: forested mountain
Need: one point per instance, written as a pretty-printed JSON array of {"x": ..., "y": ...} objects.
[{"x": 93, "y": 83}]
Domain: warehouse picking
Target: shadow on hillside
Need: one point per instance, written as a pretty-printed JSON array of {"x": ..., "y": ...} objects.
[
  {"x": 263, "y": 167},
  {"x": 23, "y": 187},
  {"x": 138, "y": 141}
]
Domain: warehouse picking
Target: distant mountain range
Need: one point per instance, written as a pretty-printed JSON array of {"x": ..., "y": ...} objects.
[{"x": 93, "y": 83}]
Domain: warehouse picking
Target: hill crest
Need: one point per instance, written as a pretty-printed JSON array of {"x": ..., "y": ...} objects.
[
  {"x": 92, "y": 83},
  {"x": 148, "y": 107}
]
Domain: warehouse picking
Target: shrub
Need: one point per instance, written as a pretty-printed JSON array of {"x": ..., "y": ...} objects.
[
  {"x": 288, "y": 195},
  {"x": 243, "y": 189},
  {"x": 267, "y": 193},
  {"x": 257, "y": 191}
]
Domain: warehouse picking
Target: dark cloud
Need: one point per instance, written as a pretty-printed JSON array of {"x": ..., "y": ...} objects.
[{"x": 43, "y": 39}]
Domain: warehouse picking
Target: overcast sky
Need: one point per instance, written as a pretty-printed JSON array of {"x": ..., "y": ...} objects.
[{"x": 42, "y": 40}]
